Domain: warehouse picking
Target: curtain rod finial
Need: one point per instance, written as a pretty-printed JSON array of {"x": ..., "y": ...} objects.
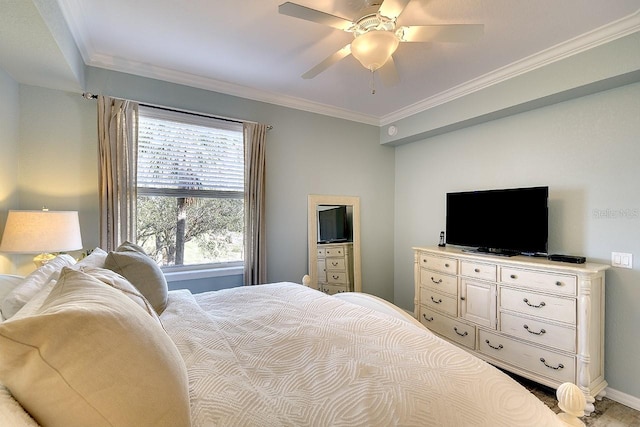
[{"x": 88, "y": 95}]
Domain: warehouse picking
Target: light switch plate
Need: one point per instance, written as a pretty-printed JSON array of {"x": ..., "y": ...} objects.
[{"x": 621, "y": 259}]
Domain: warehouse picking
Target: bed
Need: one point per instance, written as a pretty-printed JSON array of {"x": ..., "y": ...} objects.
[{"x": 98, "y": 343}]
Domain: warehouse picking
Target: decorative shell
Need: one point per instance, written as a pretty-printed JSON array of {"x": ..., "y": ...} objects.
[{"x": 571, "y": 399}]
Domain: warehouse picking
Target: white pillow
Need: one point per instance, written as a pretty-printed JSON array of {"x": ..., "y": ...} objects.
[
  {"x": 34, "y": 304},
  {"x": 95, "y": 259},
  {"x": 91, "y": 357},
  {"x": 8, "y": 282},
  {"x": 31, "y": 284}
]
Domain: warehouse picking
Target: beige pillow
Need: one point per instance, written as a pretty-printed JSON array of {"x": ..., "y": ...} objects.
[
  {"x": 130, "y": 261},
  {"x": 91, "y": 357},
  {"x": 33, "y": 283},
  {"x": 118, "y": 282}
]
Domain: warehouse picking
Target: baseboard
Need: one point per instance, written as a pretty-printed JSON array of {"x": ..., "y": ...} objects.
[{"x": 626, "y": 399}]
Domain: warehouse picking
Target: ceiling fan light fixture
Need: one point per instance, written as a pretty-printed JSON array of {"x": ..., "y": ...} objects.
[{"x": 374, "y": 48}]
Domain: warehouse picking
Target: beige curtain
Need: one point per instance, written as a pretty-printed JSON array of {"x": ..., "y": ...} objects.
[
  {"x": 255, "y": 259},
  {"x": 118, "y": 145}
]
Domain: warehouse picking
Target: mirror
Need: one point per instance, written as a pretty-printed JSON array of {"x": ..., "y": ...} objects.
[{"x": 334, "y": 251}]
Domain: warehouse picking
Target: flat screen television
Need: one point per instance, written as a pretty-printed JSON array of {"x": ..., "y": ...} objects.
[
  {"x": 333, "y": 225},
  {"x": 504, "y": 222}
]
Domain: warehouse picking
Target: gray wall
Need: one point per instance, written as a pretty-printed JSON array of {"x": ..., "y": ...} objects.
[
  {"x": 587, "y": 151},
  {"x": 55, "y": 161},
  {"x": 9, "y": 115}
]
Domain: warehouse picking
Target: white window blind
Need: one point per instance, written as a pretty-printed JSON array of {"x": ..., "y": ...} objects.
[{"x": 185, "y": 155}]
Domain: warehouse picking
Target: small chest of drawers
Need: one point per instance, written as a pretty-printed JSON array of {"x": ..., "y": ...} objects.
[
  {"x": 335, "y": 267},
  {"x": 540, "y": 319}
]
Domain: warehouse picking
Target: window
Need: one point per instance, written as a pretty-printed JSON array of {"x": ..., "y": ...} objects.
[{"x": 190, "y": 207}]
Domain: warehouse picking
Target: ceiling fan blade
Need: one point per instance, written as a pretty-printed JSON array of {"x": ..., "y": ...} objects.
[
  {"x": 443, "y": 33},
  {"x": 389, "y": 73},
  {"x": 313, "y": 15},
  {"x": 339, "y": 55},
  {"x": 392, "y": 8}
]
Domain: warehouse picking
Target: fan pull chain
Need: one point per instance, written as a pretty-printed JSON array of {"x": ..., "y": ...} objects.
[{"x": 373, "y": 83}]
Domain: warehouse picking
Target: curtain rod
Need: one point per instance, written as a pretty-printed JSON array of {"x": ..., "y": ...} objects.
[{"x": 88, "y": 95}]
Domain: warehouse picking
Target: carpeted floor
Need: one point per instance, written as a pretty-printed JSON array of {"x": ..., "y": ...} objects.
[{"x": 608, "y": 413}]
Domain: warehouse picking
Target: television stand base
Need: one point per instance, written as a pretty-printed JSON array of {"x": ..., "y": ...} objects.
[{"x": 491, "y": 251}]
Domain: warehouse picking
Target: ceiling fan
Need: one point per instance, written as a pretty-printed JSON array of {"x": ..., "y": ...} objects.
[{"x": 376, "y": 35}]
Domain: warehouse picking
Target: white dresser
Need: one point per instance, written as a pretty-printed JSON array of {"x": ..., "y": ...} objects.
[
  {"x": 543, "y": 320},
  {"x": 335, "y": 267}
]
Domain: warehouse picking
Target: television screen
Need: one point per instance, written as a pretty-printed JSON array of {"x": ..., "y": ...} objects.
[
  {"x": 508, "y": 221},
  {"x": 333, "y": 225}
]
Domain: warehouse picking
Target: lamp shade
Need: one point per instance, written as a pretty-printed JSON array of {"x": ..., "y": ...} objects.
[
  {"x": 33, "y": 232},
  {"x": 374, "y": 48}
]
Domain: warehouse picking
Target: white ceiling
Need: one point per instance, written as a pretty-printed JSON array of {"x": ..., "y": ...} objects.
[{"x": 246, "y": 48}]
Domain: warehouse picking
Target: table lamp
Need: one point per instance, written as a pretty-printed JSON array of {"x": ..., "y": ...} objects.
[{"x": 41, "y": 232}]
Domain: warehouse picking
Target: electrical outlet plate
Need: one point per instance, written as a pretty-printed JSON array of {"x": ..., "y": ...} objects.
[{"x": 621, "y": 259}]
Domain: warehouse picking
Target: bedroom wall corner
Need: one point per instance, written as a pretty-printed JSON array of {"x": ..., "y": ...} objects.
[
  {"x": 312, "y": 154},
  {"x": 9, "y": 140}
]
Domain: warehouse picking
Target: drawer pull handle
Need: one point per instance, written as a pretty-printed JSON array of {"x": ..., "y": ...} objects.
[
  {"x": 462, "y": 298},
  {"x": 559, "y": 283},
  {"x": 499, "y": 347},
  {"x": 428, "y": 319},
  {"x": 437, "y": 302},
  {"x": 335, "y": 277},
  {"x": 513, "y": 276},
  {"x": 477, "y": 270},
  {"x": 542, "y": 331},
  {"x": 464, "y": 334},
  {"x": 335, "y": 264},
  {"x": 446, "y": 265},
  {"x": 526, "y": 301},
  {"x": 437, "y": 282},
  {"x": 560, "y": 365}
]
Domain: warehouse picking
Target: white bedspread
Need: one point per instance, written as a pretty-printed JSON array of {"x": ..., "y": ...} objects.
[{"x": 285, "y": 355}]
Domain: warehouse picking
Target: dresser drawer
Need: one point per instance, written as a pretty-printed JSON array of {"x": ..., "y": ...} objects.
[
  {"x": 438, "y": 281},
  {"x": 446, "y": 303},
  {"x": 442, "y": 264},
  {"x": 335, "y": 264},
  {"x": 337, "y": 277},
  {"x": 321, "y": 252},
  {"x": 556, "y": 366},
  {"x": 479, "y": 270},
  {"x": 539, "y": 332},
  {"x": 534, "y": 304},
  {"x": 449, "y": 328},
  {"x": 563, "y": 284},
  {"x": 336, "y": 251}
]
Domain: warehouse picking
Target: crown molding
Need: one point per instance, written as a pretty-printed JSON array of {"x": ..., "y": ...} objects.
[
  {"x": 600, "y": 36},
  {"x": 77, "y": 28},
  {"x": 200, "y": 82}
]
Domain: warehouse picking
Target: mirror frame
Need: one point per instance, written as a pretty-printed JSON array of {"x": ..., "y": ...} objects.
[{"x": 315, "y": 200}]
